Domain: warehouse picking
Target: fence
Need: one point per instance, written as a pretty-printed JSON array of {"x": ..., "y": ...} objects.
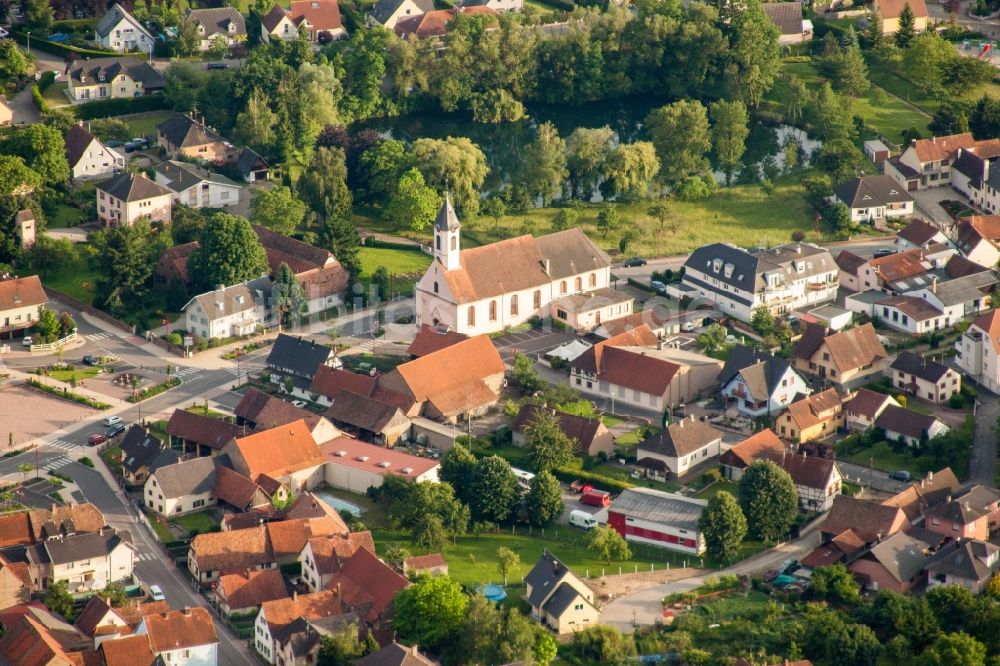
[
  {"x": 89, "y": 309},
  {"x": 51, "y": 346}
]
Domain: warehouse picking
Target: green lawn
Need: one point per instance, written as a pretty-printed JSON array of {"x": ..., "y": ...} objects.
[
  {"x": 405, "y": 267},
  {"x": 113, "y": 457},
  {"x": 55, "y": 95},
  {"x": 78, "y": 279},
  {"x": 541, "y": 7},
  {"x": 145, "y": 124},
  {"x": 200, "y": 522},
  {"x": 162, "y": 533},
  {"x": 613, "y": 470},
  {"x": 635, "y": 436},
  {"x": 78, "y": 374},
  {"x": 716, "y": 488},
  {"x": 881, "y": 456},
  {"x": 610, "y": 421},
  {"x": 65, "y": 216}
]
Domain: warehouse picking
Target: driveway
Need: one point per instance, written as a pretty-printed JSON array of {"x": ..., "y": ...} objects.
[
  {"x": 982, "y": 466},
  {"x": 928, "y": 204},
  {"x": 530, "y": 342}
]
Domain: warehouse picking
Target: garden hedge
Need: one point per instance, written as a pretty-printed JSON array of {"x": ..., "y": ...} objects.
[
  {"x": 64, "y": 50},
  {"x": 105, "y": 108}
]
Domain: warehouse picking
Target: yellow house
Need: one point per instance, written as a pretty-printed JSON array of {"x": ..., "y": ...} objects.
[
  {"x": 813, "y": 417},
  {"x": 889, "y": 11},
  {"x": 845, "y": 359},
  {"x": 558, "y": 598},
  {"x": 6, "y": 113}
]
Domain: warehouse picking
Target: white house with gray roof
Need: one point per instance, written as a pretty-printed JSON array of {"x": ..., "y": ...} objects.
[
  {"x": 387, "y": 13},
  {"x": 217, "y": 24},
  {"x": 559, "y": 599},
  {"x": 681, "y": 446},
  {"x": 658, "y": 518},
  {"x": 128, "y": 197},
  {"x": 783, "y": 279},
  {"x": 196, "y": 187},
  {"x": 120, "y": 31},
  {"x": 86, "y": 562},
  {"x": 183, "y": 487},
  {"x": 229, "y": 311},
  {"x": 874, "y": 199},
  {"x": 758, "y": 383}
]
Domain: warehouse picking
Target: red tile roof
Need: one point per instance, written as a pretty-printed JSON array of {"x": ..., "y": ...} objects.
[
  {"x": 939, "y": 147},
  {"x": 320, "y": 14},
  {"x": 282, "y": 612},
  {"x": 329, "y": 382},
  {"x": 430, "y": 339},
  {"x": 989, "y": 323},
  {"x": 750, "y": 448},
  {"x": 205, "y": 430},
  {"x": 378, "y": 580},
  {"x": 127, "y": 651},
  {"x": 279, "y": 451},
  {"x": 233, "y": 488},
  {"x": 29, "y": 643},
  {"x": 421, "y": 562},
  {"x": 177, "y": 630},
  {"x": 21, "y": 292},
  {"x": 434, "y": 23},
  {"x": 233, "y": 550},
  {"x": 15, "y": 529},
  {"x": 252, "y": 588},
  {"x": 592, "y": 360},
  {"x": 867, "y": 403},
  {"x": 329, "y": 552}
]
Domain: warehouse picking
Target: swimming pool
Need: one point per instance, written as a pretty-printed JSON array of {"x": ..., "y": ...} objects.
[{"x": 341, "y": 505}]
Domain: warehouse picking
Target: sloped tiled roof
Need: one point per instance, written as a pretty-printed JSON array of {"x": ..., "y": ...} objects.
[
  {"x": 112, "y": 18},
  {"x": 434, "y": 23},
  {"x": 592, "y": 360},
  {"x": 867, "y": 518},
  {"x": 920, "y": 495},
  {"x": 637, "y": 368},
  {"x": 849, "y": 262},
  {"x": 905, "y": 421},
  {"x": 280, "y": 613},
  {"x": 989, "y": 324},
  {"x": 375, "y": 577},
  {"x": 812, "y": 410},
  {"x": 127, "y": 651},
  {"x": 916, "y": 308},
  {"x": 232, "y": 550},
  {"x": 89, "y": 72},
  {"x": 919, "y": 366},
  {"x": 329, "y": 382},
  {"x": 432, "y": 338},
  {"x": 189, "y": 477},
  {"x": 297, "y": 355},
  {"x": 21, "y": 292},
  {"x": 807, "y": 471},
  {"x": 252, "y": 588},
  {"x": 323, "y": 282},
  {"x": 918, "y": 232},
  {"x": 28, "y": 643},
  {"x": 421, "y": 562},
  {"x": 384, "y": 9},
  {"x": 580, "y": 429},
  {"x": 849, "y": 349},
  {"x": 939, "y": 147},
  {"x": 205, "y": 430},
  {"x": 77, "y": 139},
  {"x": 182, "y": 131},
  {"x": 132, "y": 187},
  {"x": 82, "y": 517},
  {"x": 320, "y": 14},
  {"x": 279, "y": 451},
  {"x": 786, "y": 15},
  {"x": 299, "y": 256},
  {"x": 180, "y": 629},
  {"x": 273, "y": 17},
  {"x": 233, "y": 488},
  {"x": 395, "y": 654},
  {"x": 330, "y": 551},
  {"x": 216, "y": 21},
  {"x": 869, "y": 191},
  {"x": 867, "y": 403},
  {"x": 139, "y": 448},
  {"x": 902, "y": 555},
  {"x": 681, "y": 438},
  {"x": 15, "y": 529},
  {"x": 270, "y": 411},
  {"x": 362, "y": 412},
  {"x": 761, "y": 372},
  {"x": 745, "y": 452}
]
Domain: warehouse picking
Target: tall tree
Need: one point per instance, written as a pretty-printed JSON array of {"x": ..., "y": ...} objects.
[
  {"x": 288, "y": 299},
  {"x": 454, "y": 164},
  {"x": 768, "y": 500},
  {"x": 544, "y": 168},
  {"x": 339, "y": 648},
  {"x": 59, "y": 600},
  {"x": 256, "y": 125},
  {"x": 507, "y": 562},
  {"x": 42, "y": 149},
  {"x": 126, "y": 256},
  {"x": 607, "y": 220},
  {"x": 586, "y": 151},
  {"x": 850, "y": 72},
  {"x": 724, "y": 527},
  {"x": 429, "y": 533},
  {"x": 544, "y": 500},
  {"x": 429, "y": 611},
  {"x": 228, "y": 253},
  {"x": 828, "y": 114},
  {"x": 381, "y": 167},
  {"x": 958, "y": 649},
  {"x": 38, "y": 16},
  {"x": 413, "y": 205},
  {"x": 324, "y": 185},
  {"x": 458, "y": 468},
  {"x": 681, "y": 136},
  {"x": 279, "y": 210},
  {"x": 753, "y": 40},
  {"x": 630, "y": 169},
  {"x": 496, "y": 490},
  {"x": 730, "y": 128},
  {"x": 548, "y": 445},
  {"x": 608, "y": 544},
  {"x": 16, "y": 176},
  {"x": 907, "y": 29},
  {"x": 873, "y": 32}
]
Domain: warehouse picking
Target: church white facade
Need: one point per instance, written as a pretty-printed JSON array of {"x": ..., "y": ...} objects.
[{"x": 487, "y": 289}]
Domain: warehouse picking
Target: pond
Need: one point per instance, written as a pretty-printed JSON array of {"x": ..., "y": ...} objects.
[{"x": 503, "y": 143}]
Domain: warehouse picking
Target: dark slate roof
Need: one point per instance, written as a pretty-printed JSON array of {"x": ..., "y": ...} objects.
[
  {"x": 580, "y": 429},
  {"x": 184, "y": 175},
  {"x": 383, "y": 9},
  {"x": 919, "y": 366},
  {"x": 963, "y": 559},
  {"x": 92, "y": 70},
  {"x": 971, "y": 165},
  {"x": 544, "y": 576},
  {"x": 190, "y": 477},
  {"x": 132, "y": 187},
  {"x": 918, "y": 232},
  {"x": 786, "y": 15},
  {"x": 111, "y": 18},
  {"x": 904, "y": 421},
  {"x": 204, "y": 430},
  {"x": 902, "y": 555},
  {"x": 216, "y": 21},
  {"x": 77, "y": 139},
  {"x": 561, "y": 599},
  {"x": 83, "y": 546},
  {"x": 249, "y": 161},
  {"x": 742, "y": 357},
  {"x": 182, "y": 131},
  {"x": 361, "y": 411},
  {"x": 907, "y": 171},
  {"x": 139, "y": 448},
  {"x": 867, "y": 191},
  {"x": 744, "y": 273},
  {"x": 297, "y": 355},
  {"x": 681, "y": 439}
]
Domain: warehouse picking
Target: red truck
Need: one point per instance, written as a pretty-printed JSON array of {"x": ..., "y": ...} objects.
[{"x": 596, "y": 498}]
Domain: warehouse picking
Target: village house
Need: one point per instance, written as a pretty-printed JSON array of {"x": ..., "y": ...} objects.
[
  {"x": 782, "y": 279},
  {"x": 29, "y": 639},
  {"x": 979, "y": 239},
  {"x": 357, "y": 466},
  {"x": 318, "y": 20},
  {"x": 119, "y": 31},
  {"x": 395, "y": 654},
  {"x": 787, "y": 17},
  {"x": 252, "y": 166},
  {"x": 845, "y": 359},
  {"x": 924, "y": 378},
  {"x": 680, "y": 446},
  {"x": 738, "y": 457},
  {"x": 367, "y": 418},
  {"x": 813, "y": 417},
  {"x": 142, "y": 454},
  {"x": 182, "y": 637},
  {"x": 184, "y": 487},
  {"x": 881, "y": 273},
  {"x": 933, "y": 489},
  {"x": 181, "y": 135},
  {"x": 112, "y": 78},
  {"x": 71, "y": 518},
  {"x": 430, "y": 339},
  {"x": 496, "y": 286},
  {"x": 817, "y": 480},
  {"x": 217, "y": 24},
  {"x": 276, "y": 620},
  {"x": 908, "y": 314},
  {"x": 925, "y": 162},
  {"x": 874, "y": 199},
  {"x": 88, "y": 157},
  {"x": 973, "y": 175},
  {"x": 895, "y": 563},
  {"x": 434, "y": 24},
  {"x": 21, "y": 303},
  {"x": 297, "y": 358},
  {"x": 661, "y": 519},
  {"x": 558, "y": 599},
  {"x": 589, "y": 435},
  {"x": 85, "y": 561},
  {"x": 862, "y": 408},
  {"x": 127, "y": 651},
  {"x": 127, "y": 197},
  {"x": 914, "y": 428},
  {"x": 262, "y": 411},
  {"x": 214, "y": 553},
  {"x": 287, "y": 455},
  {"x": 240, "y": 594},
  {"x": 25, "y": 228},
  {"x": 201, "y": 435},
  {"x": 759, "y": 383},
  {"x": 323, "y": 556},
  {"x": 233, "y": 311},
  {"x": 978, "y": 351},
  {"x": 968, "y": 563},
  {"x": 634, "y": 370},
  {"x": 369, "y": 586},
  {"x": 196, "y": 187},
  {"x": 15, "y": 583},
  {"x": 238, "y": 491},
  {"x": 587, "y": 310},
  {"x": 6, "y": 113},
  {"x": 387, "y": 13},
  {"x": 432, "y": 564},
  {"x": 868, "y": 520},
  {"x": 919, "y": 234}
]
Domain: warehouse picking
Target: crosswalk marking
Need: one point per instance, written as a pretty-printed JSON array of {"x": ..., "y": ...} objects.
[
  {"x": 145, "y": 557},
  {"x": 98, "y": 336},
  {"x": 56, "y": 463},
  {"x": 183, "y": 372},
  {"x": 63, "y": 444}
]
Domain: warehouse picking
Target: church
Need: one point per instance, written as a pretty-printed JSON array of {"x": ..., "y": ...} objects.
[{"x": 487, "y": 289}]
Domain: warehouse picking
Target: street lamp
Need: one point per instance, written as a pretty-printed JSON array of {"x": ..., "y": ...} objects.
[{"x": 29, "y": 42}]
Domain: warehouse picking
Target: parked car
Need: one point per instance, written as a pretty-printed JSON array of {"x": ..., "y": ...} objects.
[
  {"x": 96, "y": 438},
  {"x": 155, "y": 593},
  {"x": 582, "y": 519},
  {"x": 900, "y": 475},
  {"x": 114, "y": 430},
  {"x": 26, "y": 341},
  {"x": 596, "y": 498},
  {"x": 634, "y": 262},
  {"x": 112, "y": 420},
  {"x": 90, "y": 359},
  {"x": 687, "y": 326},
  {"x": 884, "y": 252},
  {"x": 658, "y": 287},
  {"x": 298, "y": 403},
  {"x": 217, "y": 65}
]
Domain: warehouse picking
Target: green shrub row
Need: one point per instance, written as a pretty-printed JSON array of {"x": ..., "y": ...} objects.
[
  {"x": 104, "y": 108},
  {"x": 602, "y": 482},
  {"x": 38, "y": 100},
  {"x": 64, "y": 50},
  {"x": 66, "y": 394},
  {"x": 155, "y": 390}
]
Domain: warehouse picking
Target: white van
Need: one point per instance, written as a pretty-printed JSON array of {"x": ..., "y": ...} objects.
[
  {"x": 582, "y": 519},
  {"x": 112, "y": 420}
]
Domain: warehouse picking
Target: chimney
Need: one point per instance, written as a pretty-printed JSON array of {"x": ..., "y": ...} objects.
[
  {"x": 930, "y": 476},
  {"x": 934, "y": 285},
  {"x": 187, "y": 611},
  {"x": 948, "y": 498},
  {"x": 338, "y": 589},
  {"x": 295, "y": 596},
  {"x": 545, "y": 266}
]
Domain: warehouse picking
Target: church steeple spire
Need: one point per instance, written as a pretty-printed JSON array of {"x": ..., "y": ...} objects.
[{"x": 447, "y": 236}]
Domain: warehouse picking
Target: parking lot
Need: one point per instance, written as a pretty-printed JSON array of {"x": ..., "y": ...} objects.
[{"x": 530, "y": 342}]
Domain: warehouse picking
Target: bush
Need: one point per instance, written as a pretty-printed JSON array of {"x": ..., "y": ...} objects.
[
  {"x": 155, "y": 390},
  {"x": 798, "y": 236},
  {"x": 67, "y": 395},
  {"x": 956, "y": 401},
  {"x": 103, "y": 108},
  {"x": 65, "y": 50},
  {"x": 87, "y": 462},
  {"x": 603, "y": 482},
  {"x": 36, "y": 98}
]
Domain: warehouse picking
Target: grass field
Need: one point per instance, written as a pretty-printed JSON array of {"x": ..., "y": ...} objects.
[
  {"x": 716, "y": 488},
  {"x": 78, "y": 279},
  {"x": 113, "y": 458},
  {"x": 200, "y": 522},
  {"x": 881, "y": 456},
  {"x": 145, "y": 124},
  {"x": 890, "y": 118},
  {"x": 77, "y": 373},
  {"x": 406, "y": 264},
  {"x": 55, "y": 95},
  {"x": 64, "y": 217}
]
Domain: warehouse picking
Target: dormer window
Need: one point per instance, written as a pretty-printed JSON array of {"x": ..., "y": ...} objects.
[
  {"x": 728, "y": 272},
  {"x": 717, "y": 265}
]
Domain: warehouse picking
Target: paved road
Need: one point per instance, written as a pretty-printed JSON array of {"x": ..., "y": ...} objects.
[
  {"x": 983, "y": 465},
  {"x": 869, "y": 477}
]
